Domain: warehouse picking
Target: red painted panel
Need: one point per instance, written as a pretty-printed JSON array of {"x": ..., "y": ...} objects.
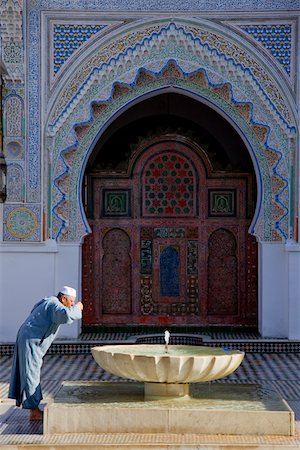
[
  {"x": 222, "y": 273},
  {"x": 116, "y": 273},
  {"x": 169, "y": 208}
]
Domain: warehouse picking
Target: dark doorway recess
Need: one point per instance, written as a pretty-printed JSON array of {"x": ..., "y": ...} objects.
[{"x": 170, "y": 193}]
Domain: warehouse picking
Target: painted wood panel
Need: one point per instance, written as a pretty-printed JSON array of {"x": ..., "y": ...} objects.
[{"x": 170, "y": 242}]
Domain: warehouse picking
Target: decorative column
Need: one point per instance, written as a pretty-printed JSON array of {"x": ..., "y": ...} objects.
[
  {"x": 47, "y": 231},
  {"x": 22, "y": 213},
  {"x": 2, "y": 158}
]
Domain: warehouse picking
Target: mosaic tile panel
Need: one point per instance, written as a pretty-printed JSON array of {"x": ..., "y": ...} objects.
[
  {"x": 276, "y": 38},
  {"x": 169, "y": 182},
  {"x": 67, "y": 38},
  {"x": 22, "y": 223},
  {"x": 192, "y": 290},
  {"x": 13, "y": 148},
  {"x": 222, "y": 203},
  {"x": 162, "y": 272},
  {"x": 15, "y": 183},
  {"x": 146, "y": 295},
  {"x": 33, "y": 159},
  {"x": 192, "y": 257},
  {"x": 116, "y": 203},
  {"x": 146, "y": 257}
]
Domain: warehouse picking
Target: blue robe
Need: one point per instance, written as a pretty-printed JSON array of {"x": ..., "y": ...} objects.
[{"x": 33, "y": 340}]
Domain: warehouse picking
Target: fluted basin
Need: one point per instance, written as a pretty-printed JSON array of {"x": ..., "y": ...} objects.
[{"x": 167, "y": 373}]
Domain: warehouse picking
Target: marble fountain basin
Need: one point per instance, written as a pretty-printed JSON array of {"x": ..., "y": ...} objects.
[{"x": 167, "y": 373}]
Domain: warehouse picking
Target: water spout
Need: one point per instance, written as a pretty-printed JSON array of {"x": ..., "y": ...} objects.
[{"x": 167, "y": 339}]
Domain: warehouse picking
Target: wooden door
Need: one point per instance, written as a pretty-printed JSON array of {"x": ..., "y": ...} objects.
[{"x": 169, "y": 242}]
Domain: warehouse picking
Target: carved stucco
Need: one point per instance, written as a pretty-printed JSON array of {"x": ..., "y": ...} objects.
[{"x": 191, "y": 58}]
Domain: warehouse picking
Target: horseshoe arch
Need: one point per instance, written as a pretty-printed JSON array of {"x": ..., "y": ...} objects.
[{"x": 193, "y": 57}]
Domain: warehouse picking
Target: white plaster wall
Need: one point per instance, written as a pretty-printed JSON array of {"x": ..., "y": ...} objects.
[
  {"x": 273, "y": 292},
  {"x": 293, "y": 254},
  {"x": 28, "y": 272}
]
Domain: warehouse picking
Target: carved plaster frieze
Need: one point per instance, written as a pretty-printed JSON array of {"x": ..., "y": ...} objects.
[
  {"x": 199, "y": 47},
  {"x": 104, "y": 80},
  {"x": 12, "y": 39},
  {"x": 273, "y": 167},
  {"x": 11, "y": 20}
]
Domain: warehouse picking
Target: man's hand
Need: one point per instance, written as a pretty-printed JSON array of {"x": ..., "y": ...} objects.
[{"x": 80, "y": 304}]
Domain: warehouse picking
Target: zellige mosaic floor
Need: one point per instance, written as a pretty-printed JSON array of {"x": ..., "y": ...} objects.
[{"x": 279, "y": 371}]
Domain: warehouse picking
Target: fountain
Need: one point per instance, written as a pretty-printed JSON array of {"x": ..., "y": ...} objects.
[
  {"x": 167, "y": 339},
  {"x": 167, "y": 370},
  {"x": 170, "y": 395}
]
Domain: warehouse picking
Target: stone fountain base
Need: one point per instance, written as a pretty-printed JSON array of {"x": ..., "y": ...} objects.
[
  {"x": 211, "y": 408},
  {"x": 157, "y": 391}
]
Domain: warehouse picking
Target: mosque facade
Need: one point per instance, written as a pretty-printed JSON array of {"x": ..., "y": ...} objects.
[{"x": 150, "y": 159}]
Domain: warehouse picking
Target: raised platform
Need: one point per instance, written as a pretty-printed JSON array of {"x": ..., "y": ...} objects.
[
  {"x": 276, "y": 371},
  {"x": 212, "y": 408}
]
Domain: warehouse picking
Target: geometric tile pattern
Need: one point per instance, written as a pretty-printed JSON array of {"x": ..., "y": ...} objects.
[
  {"x": 14, "y": 149},
  {"x": 169, "y": 186},
  {"x": 275, "y": 371},
  {"x": 247, "y": 341},
  {"x": 22, "y": 222},
  {"x": 69, "y": 37},
  {"x": 276, "y": 38},
  {"x": 153, "y": 441}
]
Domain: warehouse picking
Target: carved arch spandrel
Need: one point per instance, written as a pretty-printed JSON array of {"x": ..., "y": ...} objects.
[
  {"x": 94, "y": 113},
  {"x": 87, "y": 135}
]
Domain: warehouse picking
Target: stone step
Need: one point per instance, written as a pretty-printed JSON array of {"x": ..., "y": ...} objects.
[{"x": 137, "y": 441}]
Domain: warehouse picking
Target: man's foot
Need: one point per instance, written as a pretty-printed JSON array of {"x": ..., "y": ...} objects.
[{"x": 36, "y": 414}]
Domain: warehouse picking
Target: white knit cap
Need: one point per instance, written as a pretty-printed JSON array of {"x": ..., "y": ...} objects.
[{"x": 67, "y": 290}]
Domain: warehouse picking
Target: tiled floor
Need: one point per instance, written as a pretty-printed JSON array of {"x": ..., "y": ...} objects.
[
  {"x": 276, "y": 370},
  {"x": 279, "y": 370}
]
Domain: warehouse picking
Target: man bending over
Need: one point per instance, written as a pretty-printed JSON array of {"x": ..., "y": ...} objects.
[{"x": 33, "y": 340}]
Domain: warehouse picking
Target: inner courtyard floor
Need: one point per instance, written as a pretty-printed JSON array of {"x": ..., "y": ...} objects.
[{"x": 272, "y": 370}]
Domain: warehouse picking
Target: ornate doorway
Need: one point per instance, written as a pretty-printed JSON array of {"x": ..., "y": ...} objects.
[{"x": 169, "y": 242}]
